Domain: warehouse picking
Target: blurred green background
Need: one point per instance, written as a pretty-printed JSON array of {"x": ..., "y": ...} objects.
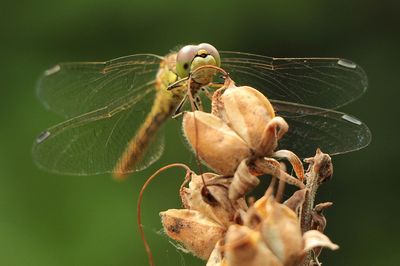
[{"x": 49, "y": 219}]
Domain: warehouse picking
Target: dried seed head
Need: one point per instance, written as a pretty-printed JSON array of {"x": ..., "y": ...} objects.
[
  {"x": 269, "y": 233},
  {"x": 196, "y": 232},
  {"x": 215, "y": 142}
]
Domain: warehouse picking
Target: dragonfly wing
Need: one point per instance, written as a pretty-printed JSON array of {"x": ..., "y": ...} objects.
[
  {"x": 92, "y": 143},
  {"x": 323, "y": 82},
  {"x": 311, "y": 128},
  {"x": 71, "y": 89}
]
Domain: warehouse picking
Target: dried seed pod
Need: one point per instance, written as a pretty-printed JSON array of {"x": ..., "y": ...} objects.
[
  {"x": 196, "y": 232},
  {"x": 247, "y": 112},
  {"x": 217, "y": 256},
  {"x": 282, "y": 234},
  {"x": 244, "y": 246},
  {"x": 214, "y": 141},
  {"x": 195, "y": 186},
  {"x": 220, "y": 209}
]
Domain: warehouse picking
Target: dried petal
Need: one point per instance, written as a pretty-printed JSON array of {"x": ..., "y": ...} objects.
[
  {"x": 319, "y": 222},
  {"x": 215, "y": 142},
  {"x": 296, "y": 200},
  {"x": 318, "y": 218},
  {"x": 197, "y": 233},
  {"x": 314, "y": 238}
]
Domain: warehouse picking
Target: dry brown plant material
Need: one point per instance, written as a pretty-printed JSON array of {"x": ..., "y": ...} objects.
[
  {"x": 266, "y": 233},
  {"x": 238, "y": 140}
]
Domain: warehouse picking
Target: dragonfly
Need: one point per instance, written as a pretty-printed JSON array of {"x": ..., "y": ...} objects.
[{"x": 115, "y": 111}]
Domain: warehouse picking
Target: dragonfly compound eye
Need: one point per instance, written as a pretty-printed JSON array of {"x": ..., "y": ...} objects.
[
  {"x": 184, "y": 60},
  {"x": 191, "y": 57},
  {"x": 211, "y": 50}
]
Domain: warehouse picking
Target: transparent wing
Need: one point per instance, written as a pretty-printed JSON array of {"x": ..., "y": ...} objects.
[
  {"x": 323, "y": 82},
  {"x": 311, "y": 128},
  {"x": 93, "y": 142},
  {"x": 71, "y": 89}
]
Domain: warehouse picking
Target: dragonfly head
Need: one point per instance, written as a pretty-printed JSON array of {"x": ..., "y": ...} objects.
[{"x": 191, "y": 57}]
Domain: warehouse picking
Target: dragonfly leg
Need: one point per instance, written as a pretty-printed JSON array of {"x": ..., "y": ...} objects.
[
  {"x": 198, "y": 103},
  {"x": 207, "y": 92},
  {"x": 213, "y": 86},
  {"x": 178, "y": 110},
  {"x": 216, "y": 85},
  {"x": 177, "y": 84},
  {"x": 293, "y": 159}
]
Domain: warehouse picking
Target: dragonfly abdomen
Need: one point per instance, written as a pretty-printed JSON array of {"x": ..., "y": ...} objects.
[{"x": 163, "y": 107}]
